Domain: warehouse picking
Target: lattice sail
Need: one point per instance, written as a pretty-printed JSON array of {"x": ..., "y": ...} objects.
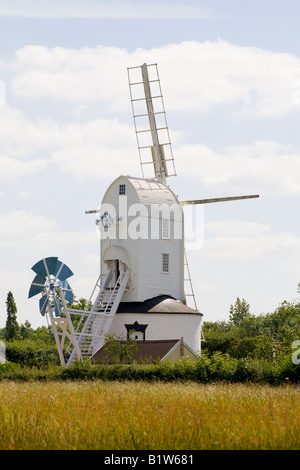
[{"x": 152, "y": 132}]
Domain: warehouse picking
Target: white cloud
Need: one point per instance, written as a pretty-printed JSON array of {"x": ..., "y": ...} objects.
[
  {"x": 258, "y": 82},
  {"x": 96, "y": 149},
  {"x": 234, "y": 227},
  {"x": 20, "y": 137},
  {"x": 91, "y": 260},
  {"x": 24, "y": 194},
  {"x": 12, "y": 168},
  {"x": 19, "y": 140},
  {"x": 2, "y": 92},
  {"x": 254, "y": 80},
  {"x": 252, "y": 248},
  {"x": 80, "y": 149},
  {"x": 85, "y": 75},
  {"x": 263, "y": 167},
  {"x": 261, "y": 267},
  {"x": 100, "y": 9},
  {"x": 61, "y": 239},
  {"x": 19, "y": 223},
  {"x": 100, "y": 146}
]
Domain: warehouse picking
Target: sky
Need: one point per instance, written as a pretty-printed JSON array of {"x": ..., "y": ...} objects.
[{"x": 230, "y": 76}]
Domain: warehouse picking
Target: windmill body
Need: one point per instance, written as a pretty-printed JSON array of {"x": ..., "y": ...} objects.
[
  {"x": 146, "y": 233},
  {"x": 142, "y": 230}
]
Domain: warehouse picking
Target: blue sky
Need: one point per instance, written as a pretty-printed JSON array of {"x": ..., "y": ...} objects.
[{"x": 230, "y": 74}]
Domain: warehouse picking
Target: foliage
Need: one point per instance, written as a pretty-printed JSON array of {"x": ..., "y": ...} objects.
[
  {"x": 239, "y": 312},
  {"x": 29, "y": 352},
  {"x": 207, "y": 369},
  {"x": 12, "y": 326},
  {"x": 267, "y": 336},
  {"x": 118, "y": 349},
  {"x": 289, "y": 372},
  {"x": 246, "y": 348},
  {"x": 82, "y": 304},
  {"x": 259, "y": 347}
]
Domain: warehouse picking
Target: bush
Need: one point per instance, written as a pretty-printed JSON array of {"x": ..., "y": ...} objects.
[
  {"x": 257, "y": 371},
  {"x": 217, "y": 343},
  {"x": 222, "y": 367},
  {"x": 290, "y": 372},
  {"x": 260, "y": 347},
  {"x": 31, "y": 353}
]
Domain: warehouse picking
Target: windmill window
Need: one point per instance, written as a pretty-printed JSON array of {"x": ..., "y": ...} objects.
[
  {"x": 165, "y": 229},
  {"x": 139, "y": 331},
  {"x": 122, "y": 188},
  {"x": 165, "y": 262}
]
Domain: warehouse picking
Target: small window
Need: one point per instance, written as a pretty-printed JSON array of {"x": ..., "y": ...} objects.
[
  {"x": 165, "y": 228},
  {"x": 122, "y": 188},
  {"x": 165, "y": 262}
]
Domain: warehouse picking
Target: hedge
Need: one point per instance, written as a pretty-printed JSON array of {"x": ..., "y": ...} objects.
[
  {"x": 31, "y": 353},
  {"x": 261, "y": 347},
  {"x": 218, "y": 367}
]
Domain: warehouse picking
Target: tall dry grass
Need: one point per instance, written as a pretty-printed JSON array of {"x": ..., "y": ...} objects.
[{"x": 136, "y": 415}]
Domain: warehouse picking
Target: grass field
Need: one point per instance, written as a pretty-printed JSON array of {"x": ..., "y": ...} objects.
[{"x": 142, "y": 416}]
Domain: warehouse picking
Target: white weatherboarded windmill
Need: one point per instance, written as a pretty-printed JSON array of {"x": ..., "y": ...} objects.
[{"x": 141, "y": 288}]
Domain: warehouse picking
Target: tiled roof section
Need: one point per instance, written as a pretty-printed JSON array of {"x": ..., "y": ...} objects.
[{"x": 149, "y": 351}]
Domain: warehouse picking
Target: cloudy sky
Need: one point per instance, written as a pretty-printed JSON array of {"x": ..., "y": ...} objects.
[{"x": 230, "y": 74}]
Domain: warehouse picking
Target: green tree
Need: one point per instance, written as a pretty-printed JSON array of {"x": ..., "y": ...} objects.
[
  {"x": 80, "y": 304},
  {"x": 284, "y": 323},
  {"x": 118, "y": 350},
  {"x": 12, "y": 326},
  {"x": 25, "y": 331},
  {"x": 239, "y": 312}
]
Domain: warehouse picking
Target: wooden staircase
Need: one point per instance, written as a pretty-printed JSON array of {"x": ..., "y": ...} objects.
[{"x": 92, "y": 335}]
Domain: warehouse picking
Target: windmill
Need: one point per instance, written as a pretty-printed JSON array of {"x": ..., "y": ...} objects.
[
  {"x": 140, "y": 290},
  {"x": 51, "y": 282}
]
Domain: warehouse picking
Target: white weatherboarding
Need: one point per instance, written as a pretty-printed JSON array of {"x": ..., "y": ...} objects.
[{"x": 144, "y": 270}]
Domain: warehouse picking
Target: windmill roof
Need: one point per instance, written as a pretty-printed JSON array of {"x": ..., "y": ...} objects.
[
  {"x": 152, "y": 191},
  {"x": 159, "y": 304}
]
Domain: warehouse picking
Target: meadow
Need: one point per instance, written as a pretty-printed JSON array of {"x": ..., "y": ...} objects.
[{"x": 136, "y": 415}]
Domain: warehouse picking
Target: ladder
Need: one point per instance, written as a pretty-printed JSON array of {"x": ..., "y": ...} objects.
[
  {"x": 92, "y": 336},
  {"x": 188, "y": 280},
  {"x": 190, "y": 293}
]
